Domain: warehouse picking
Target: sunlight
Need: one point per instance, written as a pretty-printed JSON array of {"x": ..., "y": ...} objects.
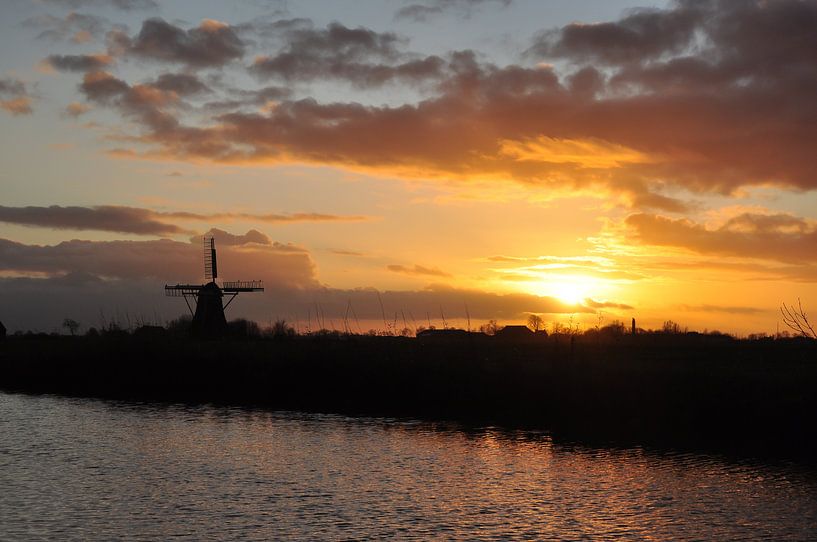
[{"x": 570, "y": 289}]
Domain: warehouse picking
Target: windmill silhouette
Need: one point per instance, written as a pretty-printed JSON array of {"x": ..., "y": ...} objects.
[{"x": 208, "y": 316}]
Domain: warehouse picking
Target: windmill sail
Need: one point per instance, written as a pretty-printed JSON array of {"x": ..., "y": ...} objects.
[
  {"x": 213, "y": 256},
  {"x": 210, "y": 262}
]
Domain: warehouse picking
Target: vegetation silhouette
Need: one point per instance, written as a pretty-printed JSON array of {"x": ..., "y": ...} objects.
[
  {"x": 668, "y": 387},
  {"x": 797, "y": 320}
]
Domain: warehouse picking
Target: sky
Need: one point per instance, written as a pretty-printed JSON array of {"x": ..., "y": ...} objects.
[{"x": 409, "y": 163}]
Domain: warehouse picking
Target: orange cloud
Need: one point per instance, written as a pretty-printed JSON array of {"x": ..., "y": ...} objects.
[
  {"x": 587, "y": 153},
  {"x": 779, "y": 237},
  {"x": 417, "y": 270},
  {"x": 15, "y": 96},
  {"x": 17, "y": 106}
]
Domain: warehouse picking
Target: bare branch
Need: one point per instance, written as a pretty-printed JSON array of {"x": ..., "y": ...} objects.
[{"x": 797, "y": 320}]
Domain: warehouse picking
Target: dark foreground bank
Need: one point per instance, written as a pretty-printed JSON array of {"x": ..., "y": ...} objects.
[{"x": 752, "y": 396}]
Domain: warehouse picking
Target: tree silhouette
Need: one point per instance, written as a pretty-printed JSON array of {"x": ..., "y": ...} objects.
[
  {"x": 71, "y": 325},
  {"x": 535, "y": 322},
  {"x": 797, "y": 320}
]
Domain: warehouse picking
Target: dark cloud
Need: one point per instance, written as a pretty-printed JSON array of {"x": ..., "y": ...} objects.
[
  {"x": 428, "y": 10},
  {"x": 11, "y": 87},
  {"x": 274, "y": 29},
  {"x": 224, "y": 238},
  {"x": 239, "y": 98},
  {"x": 417, "y": 270},
  {"x": 164, "y": 259},
  {"x": 123, "y": 280},
  {"x": 359, "y": 55},
  {"x": 643, "y": 34},
  {"x": 15, "y": 97},
  {"x": 74, "y": 27},
  {"x": 211, "y": 44},
  {"x": 78, "y": 63},
  {"x": 779, "y": 237},
  {"x": 183, "y": 84},
  {"x": 125, "y": 5},
  {"x": 102, "y": 87},
  {"x": 102, "y": 218},
  {"x": 303, "y": 38},
  {"x": 293, "y": 67},
  {"x": 418, "y": 13},
  {"x": 140, "y": 221}
]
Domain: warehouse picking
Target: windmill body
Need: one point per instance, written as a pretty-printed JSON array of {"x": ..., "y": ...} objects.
[{"x": 208, "y": 298}]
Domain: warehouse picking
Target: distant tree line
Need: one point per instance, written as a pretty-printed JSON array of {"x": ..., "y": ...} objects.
[{"x": 794, "y": 318}]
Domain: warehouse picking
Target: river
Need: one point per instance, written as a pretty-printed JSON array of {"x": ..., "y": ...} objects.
[{"x": 88, "y": 469}]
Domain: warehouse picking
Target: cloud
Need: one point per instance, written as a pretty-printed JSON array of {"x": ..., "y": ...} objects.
[
  {"x": 543, "y": 268},
  {"x": 417, "y": 270},
  {"x": 78, "y": 63},
  {"x": 591, "y": 303},
  {"x": 165, "y": 260},
  {"x": 420, "y": 13},
  {"x": 361, "y": 56},
  {"x": 554, "y": 260},
  {"x": 124, "y": 5},
  {"x": 14, "y": 96},
  {"x": 538, "y": 272},
  {"x": 103, "y": 87},
  {"x": 341, "y": 252},
  {"x": 76, "y": 109},
  {"x": 141, "y": 221},
  {"x": 75, "y": 27},
  {"x": 239, "y": 98},
  {"x": 779, "y": 237},
  {"x": 644, "y": 34},
  {"x": 722, "y": 309},
  {"x": 123, "y": 281},
  {"x": 183, "y": 84},
  {"x": 101, "y": 218},
  {"x": 211, "y": 44},
  {"x": 729, "y": 107},
  {"x": 224, "y": 238}
]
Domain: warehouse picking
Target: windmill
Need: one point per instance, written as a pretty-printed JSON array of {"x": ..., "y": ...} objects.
[{"x": 208, "y": 316}]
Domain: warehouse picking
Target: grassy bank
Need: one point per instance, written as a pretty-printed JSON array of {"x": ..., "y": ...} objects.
[{"x": 671, "y": 389}]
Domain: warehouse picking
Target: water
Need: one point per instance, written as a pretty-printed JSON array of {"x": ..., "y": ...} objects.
[{"x": 94, "y": 470}]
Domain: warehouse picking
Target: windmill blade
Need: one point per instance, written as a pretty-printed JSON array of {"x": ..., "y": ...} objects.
[
  {"x": 214, "y": 260},
  {"x": 210, "y": 264}
]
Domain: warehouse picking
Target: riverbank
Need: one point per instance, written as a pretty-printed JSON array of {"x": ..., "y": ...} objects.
[{"x": 676, "y": 390}]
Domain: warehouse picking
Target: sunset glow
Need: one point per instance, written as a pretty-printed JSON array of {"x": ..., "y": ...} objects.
[
  {"x": 509, "y": 158},
  {"x": 572, "y": 290}
]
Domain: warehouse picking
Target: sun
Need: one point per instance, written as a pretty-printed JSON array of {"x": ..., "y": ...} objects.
[
  {"x": 571, "y": 293},
  {"x": 569, "y": 289}
]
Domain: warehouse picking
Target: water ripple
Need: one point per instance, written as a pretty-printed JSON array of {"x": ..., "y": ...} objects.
[{"x": 94, "y": 470}]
